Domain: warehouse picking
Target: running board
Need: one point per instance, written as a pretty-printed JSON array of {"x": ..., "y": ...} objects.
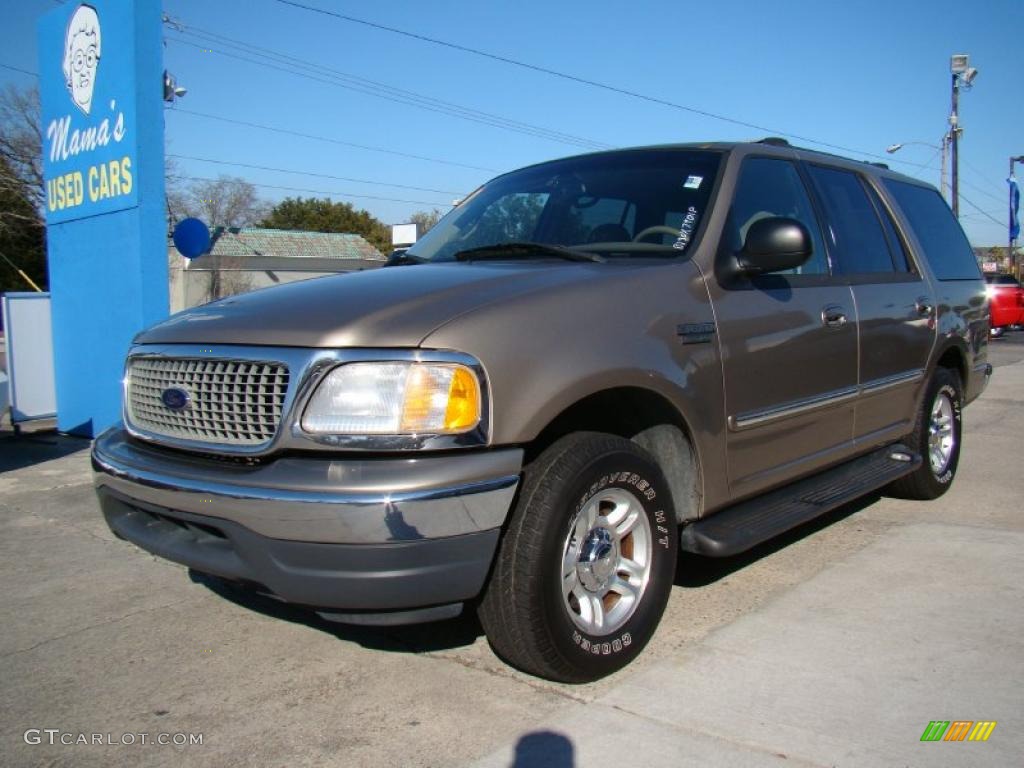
[{"x": 747, "y": 524}]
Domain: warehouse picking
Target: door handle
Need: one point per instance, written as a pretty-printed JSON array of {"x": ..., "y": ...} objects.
[
  {"x": 833, "y": 316},
  {"x": 924, "y": 309}
]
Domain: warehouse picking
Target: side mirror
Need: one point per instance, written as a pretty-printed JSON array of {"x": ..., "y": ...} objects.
[{"x": 774, "y": 245}]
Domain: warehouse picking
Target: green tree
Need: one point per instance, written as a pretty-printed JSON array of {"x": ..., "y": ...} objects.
[{"x": 323, "y": 215}]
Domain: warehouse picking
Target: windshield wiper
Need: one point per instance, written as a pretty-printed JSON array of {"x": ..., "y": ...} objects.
[{"x": 524, "y": 250}]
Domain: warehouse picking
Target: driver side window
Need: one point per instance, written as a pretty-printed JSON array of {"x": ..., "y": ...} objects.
[{"x": 769, "y": 187}]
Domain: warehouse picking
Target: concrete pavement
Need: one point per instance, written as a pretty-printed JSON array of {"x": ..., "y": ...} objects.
[{"x": 834, "y": 646}]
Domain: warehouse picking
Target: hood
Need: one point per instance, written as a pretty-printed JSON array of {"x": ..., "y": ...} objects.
[{"x": 388, "y": 307}]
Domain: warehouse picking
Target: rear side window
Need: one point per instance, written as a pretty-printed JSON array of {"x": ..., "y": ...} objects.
[
  {"x": 853, "y": 223},
  {"x": 899, "y": 251},
  {"x": 944, "y": 242}
]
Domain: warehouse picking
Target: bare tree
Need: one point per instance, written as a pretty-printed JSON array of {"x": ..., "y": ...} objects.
[
  {"x": 22, "y": 234},
  {"x": 21, "y": 142},
  {"x": 223, "y": 202},
  {"x": 426, "y": 219}
]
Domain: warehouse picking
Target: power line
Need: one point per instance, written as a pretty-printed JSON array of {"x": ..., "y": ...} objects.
[
  {"x": 983, "y": 213},
  {"x": 573, "y": 78},
  {"x": 980, "y": 173},
  {"x": 928, "y": 166},
  {"x": 977, "y": 215},
  {"x": 421, "y": 102},
  {"x": 325, "y": 192},
  {"x": 318, "y": 175},
  {"x": 985, "y": 192},
  {"x": 328, "y": 139},
  {"x": 201, "y": 33},
  {"x": 362, "y": 82},
  {"x": 415, "y": 100},
  {"x": 586, "y": 81},
  {"x": 19, "y": 69},
  {"x": 925, "y": 166}
]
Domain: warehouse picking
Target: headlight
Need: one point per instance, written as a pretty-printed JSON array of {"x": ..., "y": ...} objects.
[{"x": 395, "y": 398}]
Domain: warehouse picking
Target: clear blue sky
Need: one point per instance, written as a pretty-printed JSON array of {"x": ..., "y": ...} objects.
[{"x": 862, "y": 75}]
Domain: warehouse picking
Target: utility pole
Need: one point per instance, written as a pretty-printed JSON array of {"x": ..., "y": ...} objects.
[
  {"x": 963, "y": 74},
  {"x": 954, "y": 132},
  {"x": 942, "y": 174},
  {"x": 943, "y": 148}
]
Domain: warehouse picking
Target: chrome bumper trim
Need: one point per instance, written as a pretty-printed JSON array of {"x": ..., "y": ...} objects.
[{"x": 332, "y": 501}]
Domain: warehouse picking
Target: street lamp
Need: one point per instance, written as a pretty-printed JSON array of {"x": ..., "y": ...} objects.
[
  {"x": 943, "y": 149},
  {"x": 964, "y": 75},
  {"x": 1014, "y": 223}
]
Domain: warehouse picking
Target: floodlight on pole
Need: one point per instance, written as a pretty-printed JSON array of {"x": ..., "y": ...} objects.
[{"x": 172, "y": 90}]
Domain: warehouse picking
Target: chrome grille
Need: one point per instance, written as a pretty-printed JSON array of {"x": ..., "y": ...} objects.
[{"x": 231, "y": 402}]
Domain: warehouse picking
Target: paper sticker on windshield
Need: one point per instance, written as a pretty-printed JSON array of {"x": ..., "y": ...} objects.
[
  {"x": 693, "y": 182},
  {"x": 686, "y": 229}
]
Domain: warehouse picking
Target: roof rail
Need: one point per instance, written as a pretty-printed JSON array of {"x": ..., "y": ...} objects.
[
  {"x": 775, "y": 141},
  {"x": 879, "y": 165}
]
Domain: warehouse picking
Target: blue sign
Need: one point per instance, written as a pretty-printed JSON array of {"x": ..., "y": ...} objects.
[
  {"x": 101, "y": 85},
  {"x": 1014, "y": 208},
  {"x": 191, "y": 238},
  {"x": 90, "y": 130}
]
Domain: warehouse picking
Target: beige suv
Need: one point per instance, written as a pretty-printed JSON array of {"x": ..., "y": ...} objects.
[{"x": 588, "y": 365}]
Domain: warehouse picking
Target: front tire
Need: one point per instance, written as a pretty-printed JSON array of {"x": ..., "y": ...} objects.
[
  {"x": 936, "y": 437},
  {"x": 586, "y": 566}
]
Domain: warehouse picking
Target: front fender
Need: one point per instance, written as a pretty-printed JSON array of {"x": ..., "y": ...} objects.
[{"x": 548, "y": 350}]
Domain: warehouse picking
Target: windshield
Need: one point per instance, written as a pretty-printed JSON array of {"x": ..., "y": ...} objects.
[{"x": 618, "y": 204}]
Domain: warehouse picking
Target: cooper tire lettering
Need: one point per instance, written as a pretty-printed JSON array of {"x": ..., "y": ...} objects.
[{"x": 581, "y": 499}]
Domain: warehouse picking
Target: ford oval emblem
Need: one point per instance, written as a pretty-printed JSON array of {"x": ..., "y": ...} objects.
[{"x": 175, "y": 399}]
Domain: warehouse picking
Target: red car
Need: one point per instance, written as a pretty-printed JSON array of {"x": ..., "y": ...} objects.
[{"x": 1006, "y": 300}]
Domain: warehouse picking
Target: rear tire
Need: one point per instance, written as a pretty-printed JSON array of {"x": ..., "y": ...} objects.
[
  {"x": 936, "y": 437},
  {"x": 586, "y": 566}
]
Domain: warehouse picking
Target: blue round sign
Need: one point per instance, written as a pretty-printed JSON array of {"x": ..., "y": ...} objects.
[{"x": 191, "y": 238}]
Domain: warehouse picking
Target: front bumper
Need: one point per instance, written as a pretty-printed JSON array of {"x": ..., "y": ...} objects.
[{"x": 345, "y": 535}]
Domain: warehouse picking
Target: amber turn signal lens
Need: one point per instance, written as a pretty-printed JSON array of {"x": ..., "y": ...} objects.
[
  {"x": 440, "y": 399},
  {"x": 463, "y": 410}
]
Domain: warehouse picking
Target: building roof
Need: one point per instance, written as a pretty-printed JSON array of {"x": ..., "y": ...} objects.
[{"x": 254, "y": 241}]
